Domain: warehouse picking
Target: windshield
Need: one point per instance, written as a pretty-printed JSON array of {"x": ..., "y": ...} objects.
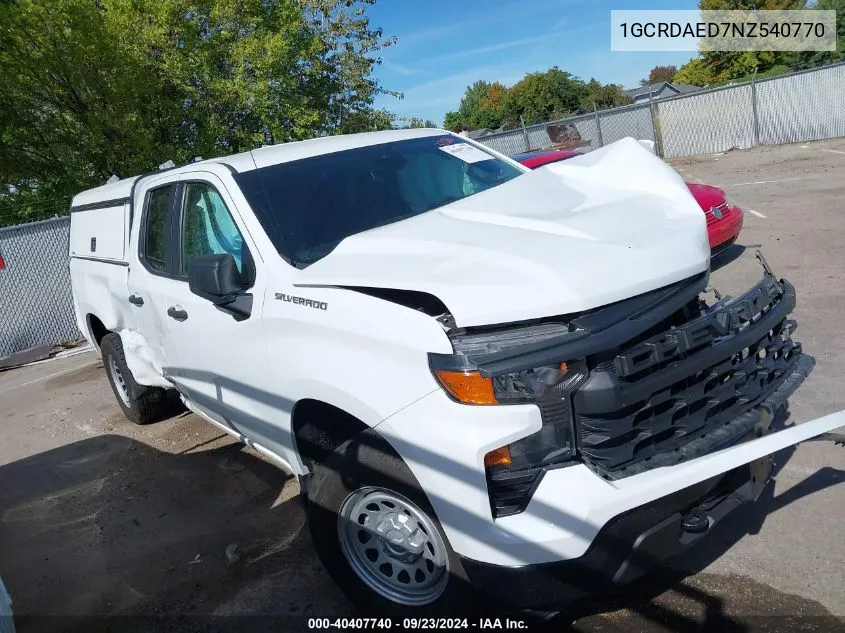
[{"x": 308, "y": 206}]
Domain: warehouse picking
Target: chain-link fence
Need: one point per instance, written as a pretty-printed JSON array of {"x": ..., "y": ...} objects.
[
  {"x": 707, "y": 122},
  {"x": 583, "y": 132},
  {"x": 801, "y": 106},
  {"x": 36, "y": 305}
]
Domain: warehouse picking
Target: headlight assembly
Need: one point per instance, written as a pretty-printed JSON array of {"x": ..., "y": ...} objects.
[{"x": 548, "y": 387}]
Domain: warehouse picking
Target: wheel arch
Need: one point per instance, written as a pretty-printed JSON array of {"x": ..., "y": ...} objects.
[
  {"x": 96, "y": 329},
  {"x": 318, "y": 428}
]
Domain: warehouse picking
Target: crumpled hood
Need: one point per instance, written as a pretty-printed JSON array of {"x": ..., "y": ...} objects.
[{"x": 569, "y": 237}]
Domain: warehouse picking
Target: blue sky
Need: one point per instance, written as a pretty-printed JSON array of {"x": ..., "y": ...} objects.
[{"x": 445, "y": 45}]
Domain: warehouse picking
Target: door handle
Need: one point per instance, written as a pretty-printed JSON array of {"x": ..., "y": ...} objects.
[
  {"x": 135, "y": 300},
  {"x": 179, "y": 315}
]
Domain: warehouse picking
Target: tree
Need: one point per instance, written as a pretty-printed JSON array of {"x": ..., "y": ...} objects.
[
  {"x": 659, "y": 75},
  {"x": 811, "y": 59},
  {"x": 366, "y": 120},
  {"x": 480, "y": 107},
  {"x": 695, "y": 72},
  {"x": 454, "y": 122},
  {"x": 545, "y": 96},
  {"x": 729, "y": 65},
  {"x": 474, "y": 95},
  {"x": 760, "y": 5},
  {"x": 120, "y": 86},
  {"x": 416, "y": 122},
  {"x": 603, "y": 96},
  {"x": 491, "y": 109},
  {"x": 537, "y": 97},
  {"x": 495, "y": 98},
  {"x": 470, "y": 106}
]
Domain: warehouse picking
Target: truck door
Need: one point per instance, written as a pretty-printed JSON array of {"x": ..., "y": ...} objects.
[
  {"x": 151, "y": 257},
  {"x": 219, "y": 362}
]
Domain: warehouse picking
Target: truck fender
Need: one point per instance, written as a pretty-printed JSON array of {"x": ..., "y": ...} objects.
[
  {"x": 139, "y": 360},
  {"x": 337, "y": 398}
]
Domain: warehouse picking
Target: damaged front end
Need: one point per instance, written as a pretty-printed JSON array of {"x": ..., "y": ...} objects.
[{"x": 650, "y": 381}]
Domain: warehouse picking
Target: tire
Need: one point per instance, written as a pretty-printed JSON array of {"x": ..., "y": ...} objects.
[
  {"x": 140, "y": 404},
  {"x": 366, "y": 465}
]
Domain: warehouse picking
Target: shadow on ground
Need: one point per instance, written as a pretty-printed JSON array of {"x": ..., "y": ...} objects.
[
  {"x": 112, "y": 526},
  {"x": 149, "y": 540},
  {"x": 727, "y": 256}
]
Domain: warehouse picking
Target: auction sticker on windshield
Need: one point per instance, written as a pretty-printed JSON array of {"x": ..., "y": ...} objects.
[{"x": 466, "y": 152}]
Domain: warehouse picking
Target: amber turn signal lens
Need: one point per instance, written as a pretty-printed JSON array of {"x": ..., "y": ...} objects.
[
  {"x": 499, "y": 457},
  {"x": 468, "y": 387}
]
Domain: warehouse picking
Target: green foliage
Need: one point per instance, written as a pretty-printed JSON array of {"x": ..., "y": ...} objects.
[
  {"x": 538, "y": 97},
  {"x": 120, "y": 86},
  {"x": 470, "y": 113},
  {"x": 695, "y": 72},
  {"x": 762, "y": 5},
  {"x": 811, "y": 59},
  {"x": 366, "y": 120},
  {"x": 720, "y": 67},
  {"x": 415, "y": 122},
  {"x": 480, "y": 107},
  {"x": 495, "y": 99},
  {"x": 659, "y": 75},
  {"x": 473, "y": 98},
  {"x": 602, "y": 96},
  {"x": 453, "y": 121},
  {"x": 774, "y": 71}
]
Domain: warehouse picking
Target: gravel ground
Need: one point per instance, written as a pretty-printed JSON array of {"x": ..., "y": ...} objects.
[{"x": 176, "y": 521}]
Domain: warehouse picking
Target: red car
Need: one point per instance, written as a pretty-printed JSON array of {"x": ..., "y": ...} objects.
[{"x": 724, "y": 218}]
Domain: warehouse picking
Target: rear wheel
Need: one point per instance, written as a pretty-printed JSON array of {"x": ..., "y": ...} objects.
[
  {"x": 139, "y": 403},
  {"x": 379, "y": 538}
]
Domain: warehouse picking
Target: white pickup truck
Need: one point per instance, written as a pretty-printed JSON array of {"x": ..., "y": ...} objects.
[{"x": 493, "y": 383}]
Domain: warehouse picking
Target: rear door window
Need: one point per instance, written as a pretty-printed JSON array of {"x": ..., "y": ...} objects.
[{"x": 155, "y": 251}]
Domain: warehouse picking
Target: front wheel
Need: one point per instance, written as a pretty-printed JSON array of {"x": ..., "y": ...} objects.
[{"x": 379, "y": 538}]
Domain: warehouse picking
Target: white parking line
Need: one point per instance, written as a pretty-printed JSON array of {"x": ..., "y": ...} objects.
[
  {"x": 763, "y": 182},
  {"x": 757, "y": 213},
  {"x": 39, "y": 379},
  {"x": 833, "y": 151}
]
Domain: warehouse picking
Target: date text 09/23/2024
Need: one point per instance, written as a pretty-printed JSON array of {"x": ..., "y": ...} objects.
[{"x": 407, "y": 624}]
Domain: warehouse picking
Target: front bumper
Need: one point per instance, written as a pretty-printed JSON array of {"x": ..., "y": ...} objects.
[
  {"x": 568, "y": 505},
  {"x": 444, "y": 443},
  {"x": 628, "y": 546}
]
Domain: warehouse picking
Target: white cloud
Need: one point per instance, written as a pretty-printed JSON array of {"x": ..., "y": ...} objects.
[
  {"x": 400, "y": 69},
  {"x": 491, "y": 48}
]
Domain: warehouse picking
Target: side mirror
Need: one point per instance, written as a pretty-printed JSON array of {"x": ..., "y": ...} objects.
[{"x": 215, "y": 277}]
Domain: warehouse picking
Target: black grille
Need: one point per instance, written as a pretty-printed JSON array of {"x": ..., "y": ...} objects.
[{"x": 691, "y": 386}]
